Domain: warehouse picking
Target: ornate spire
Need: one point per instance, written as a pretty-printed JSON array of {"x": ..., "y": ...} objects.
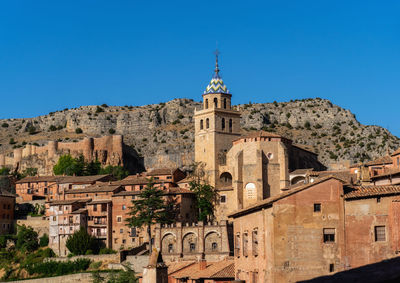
[{"x": 216, "y": 84}]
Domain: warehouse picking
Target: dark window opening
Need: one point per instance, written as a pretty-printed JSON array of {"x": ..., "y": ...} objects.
[
  {"x": 329, "y": 235},
  {"x": 331, "y": 267},
  {"x": 206, "y": 103},
  {"x": 192, "y": 247},
  {"x": 207, "y": 123},
  {"x": 317, "y": 207},
  {"x": 223, "y": 124},
  {"x": 201, "y": 124},
  {"x": 216, "y": 102},
  {"x": 380, "y": 233},
  {"x": 224, "y": 103},
  {"x": 230, "y": 125}
]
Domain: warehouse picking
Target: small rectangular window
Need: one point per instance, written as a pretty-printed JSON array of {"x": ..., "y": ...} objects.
[
  {"x": 317, "y": 207},
  {"x": 119, "y": 219},
  {"x": 255, "y": 242},
  {"x": 380, "y": 233},
  {"x": 378, "y": 199},
  {"x": 245, "y": 244},
  {"x": 331, "y": 267},
  {"x": 329, "y": 235},
  {"x": 237, "y": 245},
  {"x": 223, "y": 199}
]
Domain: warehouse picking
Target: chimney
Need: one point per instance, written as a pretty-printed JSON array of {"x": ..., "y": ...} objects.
[{"x": 202, "y": 264}]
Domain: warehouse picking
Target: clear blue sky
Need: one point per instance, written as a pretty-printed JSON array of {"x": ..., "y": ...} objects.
[{"x": 58, "y": 54}]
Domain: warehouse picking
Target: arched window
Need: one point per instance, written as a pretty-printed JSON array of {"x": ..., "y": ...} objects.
[
  {"x": 206, "y": 104},
  {"x": 225, "y": 179},
  {"x": 201, "y": 124},
  {"x": 224, "y": 103},
  {"x": 207, "y": 123},
  {"x": 230, "y": 125},
  {"x": 251, "y": 191},
  {"x": 223, "y": 123},
  {"x": 216, "y": 102}
]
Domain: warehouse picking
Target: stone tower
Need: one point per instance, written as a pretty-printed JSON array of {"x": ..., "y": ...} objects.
[{"x": 216, "y": 126}]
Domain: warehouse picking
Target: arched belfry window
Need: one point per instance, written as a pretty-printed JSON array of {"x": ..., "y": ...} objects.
[
  {"x": 230, "y": 125},
  {"x": 207, "y": 123},
  {"x": 201, "y": 124},
  {"x": 206, "y": 104},
  {"x": 216, "y": 102},
  {"x": 224, "y": 103},
  {"x": 223, "y": 123}
]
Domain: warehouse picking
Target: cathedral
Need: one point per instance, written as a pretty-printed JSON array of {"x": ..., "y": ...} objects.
[{"x": 244, "y": 167}]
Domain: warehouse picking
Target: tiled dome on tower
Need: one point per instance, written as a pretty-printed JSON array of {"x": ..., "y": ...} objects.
[{"x": 216, "y": 84}]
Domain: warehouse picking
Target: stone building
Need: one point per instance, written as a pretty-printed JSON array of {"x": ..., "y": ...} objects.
[
  {"x": 316, "y": 229},
  {"x": 193, "y": 241},
  {"x": 65, "y": 217},
  {"x": 7, "y": 207},
  {"x": 244, "y": 169}
]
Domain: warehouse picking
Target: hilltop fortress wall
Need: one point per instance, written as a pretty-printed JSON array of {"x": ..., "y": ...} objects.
[{"x": 108, "y": 150}]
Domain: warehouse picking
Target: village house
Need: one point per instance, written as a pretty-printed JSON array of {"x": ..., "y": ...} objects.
[
  {"x": 54, "y": 187},
  {"x": 7, "y": 208},
  {"x": 315, "y": 229}
]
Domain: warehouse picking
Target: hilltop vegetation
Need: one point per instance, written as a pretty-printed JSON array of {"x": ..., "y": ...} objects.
[{"x": 164, "y": 133}]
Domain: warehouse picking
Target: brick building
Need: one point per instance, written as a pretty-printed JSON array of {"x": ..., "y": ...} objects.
[
  {"x": 53, "y": 187},
  {"x": 7, "y": 207},
  {"x": 316, "y": 229}
]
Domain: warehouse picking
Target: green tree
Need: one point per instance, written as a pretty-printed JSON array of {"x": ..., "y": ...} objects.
[
  {"x": 80, "y": 242},
  {"x": 44, "y": 240},
  {"x": 29, "y": 172},
  {"x": 118, "y": 172},
  {"x": 4, "y": 171},
  {"x": 27, "y": 239},
  {"x": 65, "y": 165},
  {"x": 149, "y": 208},
  {"x": 92, "y": 168},
  {"x": 206, "y": 195}
]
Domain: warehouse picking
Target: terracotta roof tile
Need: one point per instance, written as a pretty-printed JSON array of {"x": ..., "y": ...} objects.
[
  {"x": 345, "y": 175},
  {"x": 220, "y": 269},
  {"x": 62, "y": 179},
  {"x": 94, "y": 189},
  {"x": 387, "y": 173},
  {"x": 396, "y": 152},
  {"x": 69, "y": 201},
  {"x": 370, "y": 191},
  {"x": 179, "y": 265},
  {"x": 381, "y": 160},
  {"x": 162, "y": 171}
]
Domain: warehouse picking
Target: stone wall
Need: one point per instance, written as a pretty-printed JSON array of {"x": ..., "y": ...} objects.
[
  {"x": 39, "y": 224},
  {"x": 79, "y": 277},
  {"x": 193, "y": 241},
  {"x": 108, "y": 150}
]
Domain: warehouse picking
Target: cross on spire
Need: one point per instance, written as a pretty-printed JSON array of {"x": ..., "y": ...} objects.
[{"x": 216, "y": 61}]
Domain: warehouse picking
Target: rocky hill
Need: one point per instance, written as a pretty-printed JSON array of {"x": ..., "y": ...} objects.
[{"x": 164, "y": 133}]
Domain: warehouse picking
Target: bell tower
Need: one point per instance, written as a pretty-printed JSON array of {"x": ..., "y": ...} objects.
[{"x": 216, "y": 126}]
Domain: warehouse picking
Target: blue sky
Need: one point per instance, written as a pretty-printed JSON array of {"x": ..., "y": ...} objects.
[{"x": 59, "y": 54}]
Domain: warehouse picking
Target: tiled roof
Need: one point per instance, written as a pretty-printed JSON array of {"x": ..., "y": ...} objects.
[
  {"x": 69, "y": 201},
  {"x": 62, "y": 179},
  {"x": 396, "y": 152},
  {"x": 301, "y": 171},
  {"x": 82, "y": 179},
  {"x": 35, "y": 179},
  {"x": 5, "y": 193},
  {"x": 100, "y": 201},
  {"x": 214, "y": 270},
  {"x": 132, "y": 181},
  {"x": 290, "y": 191},
  {"x": 389, "y": 172},
  {"x": 382, "y": 160},
  {"x": 345, "y": 175},
  {"x": 220, "y": 269},
  {"x": 79, "y": 211},
  {"x": 162, "y": 171},
  {"x": 216, "y": 84},
  {"x": 370, "y": 191},
  {"x": 94, "y": 189},
  {"x": 126, "y": 193},
  {"x": 179, "y": 265}
]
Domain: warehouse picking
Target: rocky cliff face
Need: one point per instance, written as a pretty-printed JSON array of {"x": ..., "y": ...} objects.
[{"x": 164, "y": 133}]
